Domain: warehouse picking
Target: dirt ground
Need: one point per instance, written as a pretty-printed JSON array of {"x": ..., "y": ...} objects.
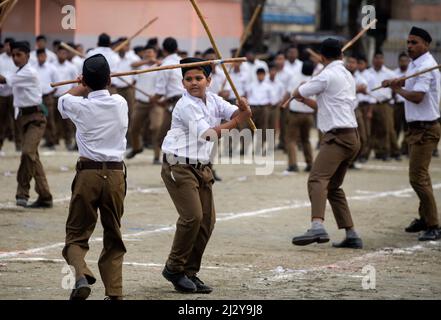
[{"x": 250, "y": 255}]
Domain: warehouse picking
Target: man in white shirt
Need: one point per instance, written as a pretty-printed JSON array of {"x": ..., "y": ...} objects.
[
  {"x": 336, "y": 97},
  {"x": 186, "y": 172},
  {"x": 259, "y": 97},
  {"x": 47, "y": 74},
  {"x": 383, "y": 139},
  {"x": 125, "y": 85},
  {"x": 8, "y": 125},
  {"x": 292, "y": 64},
  {"x": 251, "y": 66},
  {"x": 64, "y": 127},
  {"x": 27, "y": 94},
  {"x": 218, "y": 78},
  {"x": 41, "y": 43},
  {"x": 423, "y": 95},
  {"x": 399, "y": 113},
  {"x": 361, "y": 87},
  {"x": 103, "y": 47},
  {"x": 100, "y": 182},
  {"x": 278, "y": 93},
  {"x": 299, "y": 121},
  {"x": 169, "y": 88},
  {"x": 365, "y": 105},
  {"x": 146, "y": 113}
]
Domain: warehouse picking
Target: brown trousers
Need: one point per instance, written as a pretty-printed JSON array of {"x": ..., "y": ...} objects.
[
  {"x": 8, "y": 123},
  {"x": 105, "y": 190},
  {"x": 50, "y": 133},
  {"x": 361, "y": 129},
  {"x": 400, "y": 124},
  {"x": 128, "y": 93},
  {"x": 422, "y": 142},
  {"x": 32, "y": 127},
  {"x": 191, "y": 192},
  {"x": 143, "y": 113},
  {"x": 298, "y": 126},
  {"x": 384, "y": 138},
  {"x": 366, "y": 110},
  {"x": 337, "y": 151},
  {"x": 64, "y": 128},
  {"x": 261, "y": 118}
]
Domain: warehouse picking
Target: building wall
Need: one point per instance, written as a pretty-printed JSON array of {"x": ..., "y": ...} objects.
[{"x": 124, "y": 17}]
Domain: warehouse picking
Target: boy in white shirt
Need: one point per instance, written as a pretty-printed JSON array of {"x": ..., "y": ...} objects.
[
  {"x": 100, "y": 183},
  {"x": 187, "y": 174}
]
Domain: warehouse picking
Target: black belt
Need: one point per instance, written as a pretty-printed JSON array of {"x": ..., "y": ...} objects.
[
  {"x": 173, "y": 99},
  {"x": 297, "y": 112},
  {"x": 259, "y": 106},
  {"x": 181, "y": 160},
  {"x": 383, "y": 102},
  {"x": 29, "y": 110},
  {"x": 96, "y": 165},
  {"x": 422, "y": 124},
  {"x": 343, "y": 130}
]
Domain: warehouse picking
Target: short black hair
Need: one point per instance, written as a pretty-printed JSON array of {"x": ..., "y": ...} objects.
[
  {"x": 56, "y": 43},
  {"x": 170, "y": 45},
  {"x": 9, "y": 40},
  {"x": 205, "y": 69},
  {"x": 41, "y": 37},
  {"x": 138, "y": 49},
  {"x": 96, "y": 72},
  {"x": 41, "y": 51},
  {"x": 104, "y": 40},
  {"x": 152, "y": 41},
  {"x": 150, "y": 47},
  {"x": 403, "y": 54},
  {"x": 378, "y": 52},
  {"x": 209, "y": 51},
  {"x": 22, "y": 46},
  {"x": 362, "y": 57},
  {"x": 260, "y": 70}
]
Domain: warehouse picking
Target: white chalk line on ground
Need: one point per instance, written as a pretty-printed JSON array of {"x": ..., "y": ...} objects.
[
  {"x": 126, "y": 263},
  {"x": 283, "y": 274},
  {"x": 226, "y": 217}
]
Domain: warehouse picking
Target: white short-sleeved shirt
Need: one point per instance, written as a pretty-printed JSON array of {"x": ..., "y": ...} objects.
[
  {"x": 295, "y": 105},
  {"x": 360, "y": 81},
  {"x": 361, "y": 97},
  {"x": 218, "y": 79},
  {"x": 399, "y": 74},
  {"x": 336, "y": 96},
  {"x": 101, "y": 120},
  {"x": 259, "y": 93},
  {"x": 250, "y": 69},
  {"x": 295, "y": 68},
  {"x": 26, "y": 88},
  {"x": 239, "y": 81},
  {"x": 375, "y": 80},
  {"x": 7, "y": 67},
  {"x": 430, "y": 84},
  {"x": 46, "y": 74},
  {"x": 277, "y": 91},
  {"x": 65, "y": 71},
  {"x": 125, "y": 64},
  {"x": 169, "y": 82},
  {"x": 147, "y": 83},
  {"x": 190, "y": 120}
]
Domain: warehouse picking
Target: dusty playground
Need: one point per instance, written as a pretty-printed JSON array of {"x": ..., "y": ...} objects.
[{"x": 250, "y": 255}]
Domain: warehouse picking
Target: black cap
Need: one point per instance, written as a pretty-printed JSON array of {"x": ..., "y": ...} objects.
[
  {"x": 331, "y": 48},
  {"x": 104, "y": 40},
  {"x": 423, "y": 34},
  {"x": 206, "y": 69},
  {"x": 308, "y": 68},
  {"x": 21, "y": 45},
  {"x": 96, "y": 72}
]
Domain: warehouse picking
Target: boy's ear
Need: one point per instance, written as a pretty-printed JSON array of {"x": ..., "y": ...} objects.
[{"x": 208, "y": 80}]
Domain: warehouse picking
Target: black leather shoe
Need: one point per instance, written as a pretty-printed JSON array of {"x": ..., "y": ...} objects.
[
  {"x": 311, "y": 236},
  {"x": 308, "y": 168},
  {"x": 201, "y": 287},
  {"x": 180, "y": 281},
  {"x": 216, "y": 177},
  {"x": 431, "y": 234},
  {"x": 293, "y": 168},
  {"x": 41, "y": 204},
  {"x": 81, "y": 290},
  {"x": 416, "y": 225},
  {"x": 350, "y": 243},
  {"x": 133, "y": 153}
]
